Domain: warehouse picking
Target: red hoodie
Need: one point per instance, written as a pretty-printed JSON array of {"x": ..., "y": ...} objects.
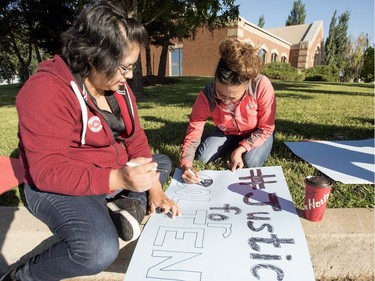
[{"x": 66, "y": 145}]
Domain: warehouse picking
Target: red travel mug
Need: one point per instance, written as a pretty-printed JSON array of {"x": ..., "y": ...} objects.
[{"x": 317, "y": 190}]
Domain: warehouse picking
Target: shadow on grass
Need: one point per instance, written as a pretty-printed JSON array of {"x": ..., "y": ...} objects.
[
  {"x": 168, "y": 139},
  {"x": 184, "y": 92},
  {"x": 348, "y": 89},
  {"x": 173, "y": 133},
  {"x": 314, "y": 131},
  {"x": 283, "y": 85}
]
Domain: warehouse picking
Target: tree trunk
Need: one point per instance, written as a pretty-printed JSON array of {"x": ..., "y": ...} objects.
[
  {"x": 37, "y": 53},
  {"x": 163, "y": 61},
  {"x": 137, "y": 82},
  {"x": 23, "y": 65},
  {"x": 148, "y": 60},
  {"x": 23, "y": 72}
]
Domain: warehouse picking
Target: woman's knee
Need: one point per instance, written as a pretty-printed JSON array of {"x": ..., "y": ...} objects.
[
  {"x": 257, "y": 157},
  {"x": 205, "y": 157},
  {"x": 254, "y": 162},
  {"x": 94, "y": 256}
]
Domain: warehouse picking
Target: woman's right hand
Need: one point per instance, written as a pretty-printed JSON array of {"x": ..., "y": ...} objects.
[
  {"x": 139, "y": 177},
  {"x": 189, "y": 175}
]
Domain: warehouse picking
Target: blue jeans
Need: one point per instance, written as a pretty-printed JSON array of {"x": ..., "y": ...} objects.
[
  {"x": 218, "y": 145},
  {"x": 88, "y": 238}
]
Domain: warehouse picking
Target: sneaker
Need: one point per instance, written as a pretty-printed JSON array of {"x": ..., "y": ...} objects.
[
  {"x": 9, "y": 276},
  {"x": 127, "y": 214}
]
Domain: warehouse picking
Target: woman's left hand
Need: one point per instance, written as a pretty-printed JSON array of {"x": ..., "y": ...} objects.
[{"x": 159, "y": 200}]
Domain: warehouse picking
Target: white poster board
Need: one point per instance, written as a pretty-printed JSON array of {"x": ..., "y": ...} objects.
[
  {"x": 349, "y": 162},
  {"x": 243, "y": 226}
]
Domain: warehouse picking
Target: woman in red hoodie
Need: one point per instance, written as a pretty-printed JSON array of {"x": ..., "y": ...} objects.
[
  {"x": 241, "y": 103},
  {"x": 80, "y": 141}
]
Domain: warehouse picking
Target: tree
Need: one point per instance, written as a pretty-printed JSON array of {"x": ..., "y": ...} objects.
[
  {"x": 8, "y": 67},
  {"x": 15, "y": 40},
  {"x": 341, "y": 39},
  {"x": 30, "y": 29},
  {"x": 53, "y": 18},
  {"x": 330, "y": 46},
  {"x": 297, "y": 14},
  {"x": 132, "y": 9},
  {"x": 261, "y": 21},
  {"x": 168, "y": 20},
  {"x": 367, "y": 71},
  {"x": 355, "y": 56},
  {"x": 163, "y": 23},
  {"x": 337, "y": 42}
]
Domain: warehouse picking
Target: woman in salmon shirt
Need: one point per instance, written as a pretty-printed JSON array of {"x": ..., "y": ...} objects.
[{"x": 241, "y": 103}]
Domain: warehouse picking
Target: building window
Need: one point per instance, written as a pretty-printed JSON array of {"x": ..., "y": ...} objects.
[
  {"x": 274, "y": 57},
  {"x": 176, "y": 62},
  {"x": 317, "y": 57},
  {"x": 283, "y": 59},
  {"x": 263, "y": 54}
]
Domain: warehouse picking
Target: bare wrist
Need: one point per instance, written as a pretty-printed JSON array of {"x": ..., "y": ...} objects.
[{"x": 116, "y": 180}]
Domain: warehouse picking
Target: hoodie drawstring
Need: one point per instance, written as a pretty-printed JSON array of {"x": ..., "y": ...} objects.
[{"x": 83, "y": 110}]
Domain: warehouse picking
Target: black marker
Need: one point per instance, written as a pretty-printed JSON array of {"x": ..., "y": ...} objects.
[
  {"x": 132, "y": 164},
  {"x": 161, "y": 170}
]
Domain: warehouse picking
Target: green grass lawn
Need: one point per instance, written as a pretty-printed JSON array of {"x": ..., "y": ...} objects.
[{"x": 305, "y": 110}]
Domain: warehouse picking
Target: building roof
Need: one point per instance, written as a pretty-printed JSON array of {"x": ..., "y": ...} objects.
[
  {"x": 293, "y": 33},
  {"x": 266, "y": 31}
]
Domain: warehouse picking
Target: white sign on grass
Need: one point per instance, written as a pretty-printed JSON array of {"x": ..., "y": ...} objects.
[
  {"x": 242, "y": 227},
  {"x": 350, "y": 162}
]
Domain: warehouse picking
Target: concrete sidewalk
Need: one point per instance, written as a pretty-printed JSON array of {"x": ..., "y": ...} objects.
[{"x": 341, "y": 246}]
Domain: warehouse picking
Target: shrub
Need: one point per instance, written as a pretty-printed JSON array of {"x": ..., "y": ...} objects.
[
  {"x": 322, "y": 73},
  {"x": 281, "y": 71},
  {"x": 316, "y": 77}
]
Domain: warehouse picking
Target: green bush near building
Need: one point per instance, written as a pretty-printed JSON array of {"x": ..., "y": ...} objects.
[
  {"x": 322, "y": 73},
  {"x": 286, "y": 72},
  {"x": 281, "y": 71}
]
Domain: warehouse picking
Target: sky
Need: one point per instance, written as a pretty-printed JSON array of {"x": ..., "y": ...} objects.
[{"x": 276, "y": 13}]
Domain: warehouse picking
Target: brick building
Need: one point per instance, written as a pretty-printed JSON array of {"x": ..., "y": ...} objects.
[{"x": 300, "y": 45}]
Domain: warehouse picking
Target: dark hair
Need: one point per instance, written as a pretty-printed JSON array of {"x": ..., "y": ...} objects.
[
  {"x": 100, "y": 38},
  {"x": 239, "y": 62}
]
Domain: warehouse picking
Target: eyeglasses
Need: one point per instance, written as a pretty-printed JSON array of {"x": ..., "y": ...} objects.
[
  {"x": 229, "y": 99},
  {"x": 123, "y": 69}
]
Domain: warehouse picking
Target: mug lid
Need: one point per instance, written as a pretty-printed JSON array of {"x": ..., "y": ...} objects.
[{"x": 318, "y": 181}]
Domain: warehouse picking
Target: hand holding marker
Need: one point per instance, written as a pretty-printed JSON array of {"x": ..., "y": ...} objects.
[
  {"x": 171, "y": 212},
  {"x": 204, "y": 182},
  {"x": 133, "y": 164},
  {"x": 193, "y": 174}
]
